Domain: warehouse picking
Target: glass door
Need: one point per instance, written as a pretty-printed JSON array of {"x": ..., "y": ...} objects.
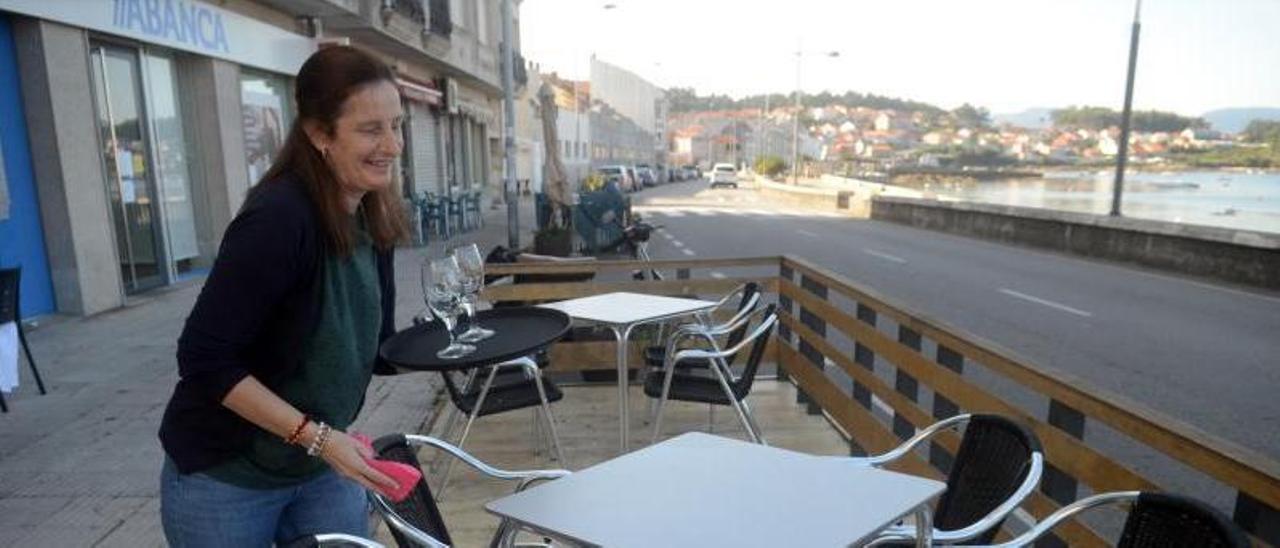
[
  {"x": 130, "y": 185},
  {"x": 172, "y": 166}
]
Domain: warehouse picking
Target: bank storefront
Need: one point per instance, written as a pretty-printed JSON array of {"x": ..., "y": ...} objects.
[{"x": 152, "y": 118}]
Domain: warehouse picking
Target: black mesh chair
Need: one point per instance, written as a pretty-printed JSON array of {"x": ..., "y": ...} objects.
[
  {"x": 416, "y": 520},
  {"x": 998, "y": 465},
  {"x": 1156, "y": 520},
  {"x": 10, "y": 282},
  {"x": 721, "y": 387}
]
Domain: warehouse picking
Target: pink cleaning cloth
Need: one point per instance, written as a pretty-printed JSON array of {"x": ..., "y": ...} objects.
[{"x": 405, "y": 476}]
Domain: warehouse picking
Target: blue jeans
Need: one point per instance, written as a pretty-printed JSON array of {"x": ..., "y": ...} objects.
[{"x": 198, "y": 511}]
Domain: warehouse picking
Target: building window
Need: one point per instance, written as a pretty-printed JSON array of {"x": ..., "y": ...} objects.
[
  {"x": 441, "y": 20},
  {"x": 266, "y": 114}
]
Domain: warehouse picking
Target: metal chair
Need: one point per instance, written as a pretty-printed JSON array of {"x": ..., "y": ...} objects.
[
  {"x": 436, "y": 215},
  {"x": 748, "y": 296},
  {"x": 998, "y": 465},
  {"x": 474, "y": 216},
  {"x": 454, "y": 210},
  {"x": 1156, "y": 520},
  {"x": 499, "y": 394},
  {"x": 722, "y": 388},
  {"x": 416, "y": 520},
  {"x": 10, "y": 283}
]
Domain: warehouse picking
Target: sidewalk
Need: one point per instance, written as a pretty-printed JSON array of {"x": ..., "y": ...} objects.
[{"x": 79, "y": 467}]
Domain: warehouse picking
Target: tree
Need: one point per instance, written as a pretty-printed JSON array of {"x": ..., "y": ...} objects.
[
  {"x": 970, "y": 116},
  {"x": 1096, "y": 118},
  {"x": 770, "y": 166},
  {"x": 1263, "y": 131}
]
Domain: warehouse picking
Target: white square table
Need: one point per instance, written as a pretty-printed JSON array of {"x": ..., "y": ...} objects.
[
  {"x": 702, "y": 490},
  {"x": 621, "y": 312}
]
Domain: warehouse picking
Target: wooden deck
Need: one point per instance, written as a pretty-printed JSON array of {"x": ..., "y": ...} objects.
[{"x": 587, "y": 419}]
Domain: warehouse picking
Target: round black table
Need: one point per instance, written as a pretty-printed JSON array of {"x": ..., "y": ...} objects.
[{"x": 518, "y": 331}]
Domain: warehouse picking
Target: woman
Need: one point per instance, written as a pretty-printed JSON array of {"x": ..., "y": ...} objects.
[{"x": 277, "y": 353}]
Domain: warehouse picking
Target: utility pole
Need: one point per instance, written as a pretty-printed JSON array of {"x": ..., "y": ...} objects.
[
  {"x": 509, "y": 129},
  {"x": 795, "y": 122},
  {"x": 1117, "y": 189}
]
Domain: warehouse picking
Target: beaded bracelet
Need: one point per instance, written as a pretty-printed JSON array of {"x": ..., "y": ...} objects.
[
  {"x": 296, "y": 436},
  {"x": 317, "y": 444}
]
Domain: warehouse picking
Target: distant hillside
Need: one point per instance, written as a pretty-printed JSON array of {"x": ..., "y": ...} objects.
[
  {"x": 1032, "y": 118},
  {"x": 1234, "y": 120},
  {"x": 688, "y": 100}
]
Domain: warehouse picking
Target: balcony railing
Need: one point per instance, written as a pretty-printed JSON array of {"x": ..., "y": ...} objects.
[
  {"x": 441, "y": 21},
  {"x": 839, "y": 343},
  {"x": 521, "y": 71},
  {"x": 410, "y": 9}
]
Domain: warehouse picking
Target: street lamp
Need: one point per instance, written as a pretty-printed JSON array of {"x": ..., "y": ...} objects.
[{"x": 795, "y": 127}]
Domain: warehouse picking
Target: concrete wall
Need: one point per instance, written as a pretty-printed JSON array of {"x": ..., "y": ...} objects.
[
  {"x": 830, "y": 193},
  {"x": 1239, "y": 256},
  {"x": 67, "y": 162}
]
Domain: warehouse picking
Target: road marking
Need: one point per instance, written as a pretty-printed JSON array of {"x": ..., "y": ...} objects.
[
  {"x": 1046, "y": 302},
  {"x": 806, "y": 233},
  {"x": 718, "y": 275},
  {"x": 677, "y": 243},
  {"x": 883, "y": 255},
  {"x": 688, "y": 252}
]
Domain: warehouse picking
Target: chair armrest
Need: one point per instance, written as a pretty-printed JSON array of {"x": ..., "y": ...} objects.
[
  {"x": 331, "y": 539},
  {"x": 481, "y": 466},
  {"x": 696, "y": 353},
  {"x": 908, "y": 532},
  {"x": 920, "y": 437},
  {"x": 709, "y": 331},
  {"x": 1066, "y": 512}
]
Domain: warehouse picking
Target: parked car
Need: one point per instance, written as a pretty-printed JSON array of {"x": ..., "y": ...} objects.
[
  {"x": 724, "y": 175},
  {"x": 622, "y": 174},
  {"x": 646, "y": 176}
]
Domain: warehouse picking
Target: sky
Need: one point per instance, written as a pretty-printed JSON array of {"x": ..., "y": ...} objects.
[{"x": 1006, "y": 55}]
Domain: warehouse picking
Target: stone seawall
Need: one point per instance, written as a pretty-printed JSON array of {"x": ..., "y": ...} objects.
[{"x": 1240, "y": 256}]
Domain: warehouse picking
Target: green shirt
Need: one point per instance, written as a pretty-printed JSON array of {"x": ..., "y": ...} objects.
[{"x": 330, "y": 383}]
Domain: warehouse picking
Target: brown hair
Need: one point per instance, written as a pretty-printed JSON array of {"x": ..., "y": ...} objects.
[{"x": 324, "y": 83}]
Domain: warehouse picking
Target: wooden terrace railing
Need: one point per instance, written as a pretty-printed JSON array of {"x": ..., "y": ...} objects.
[{"x": 879, "y": 371}]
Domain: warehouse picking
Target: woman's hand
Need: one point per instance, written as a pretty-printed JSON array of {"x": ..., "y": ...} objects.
[{"x": 347, "y": 457}]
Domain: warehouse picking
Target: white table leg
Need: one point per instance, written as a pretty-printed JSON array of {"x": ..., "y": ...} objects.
[{"x": 623, "y": 334}]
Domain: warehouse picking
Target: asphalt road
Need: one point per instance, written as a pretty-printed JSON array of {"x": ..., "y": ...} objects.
[{"x": 1205, "y": 353}]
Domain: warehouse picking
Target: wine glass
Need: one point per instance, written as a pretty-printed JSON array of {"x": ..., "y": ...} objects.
[
  {"x": 471, "y": 265},
  {"x": 442, "y": 288}
]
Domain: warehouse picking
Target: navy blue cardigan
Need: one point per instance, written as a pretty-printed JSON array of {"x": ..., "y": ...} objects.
[{"x": 256, "y": 309}]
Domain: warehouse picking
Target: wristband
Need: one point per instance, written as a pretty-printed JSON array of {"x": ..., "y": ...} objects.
[{"x": 296, "y": 436}]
